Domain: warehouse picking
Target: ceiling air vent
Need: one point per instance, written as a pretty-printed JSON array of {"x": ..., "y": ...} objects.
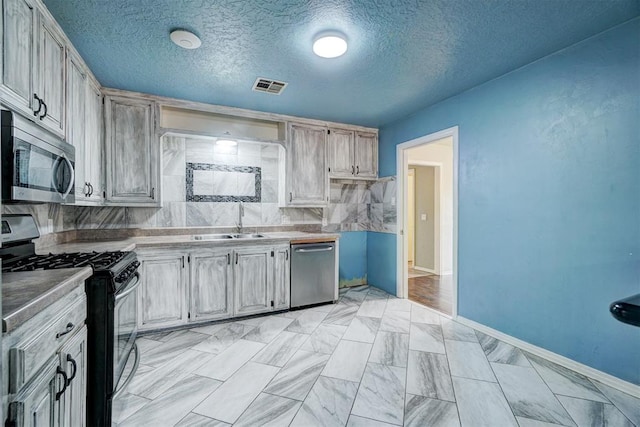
[{"x": 273, "y": 87}]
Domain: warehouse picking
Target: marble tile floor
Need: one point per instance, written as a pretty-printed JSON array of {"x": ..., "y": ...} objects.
[{"x": 369, "y": 360}]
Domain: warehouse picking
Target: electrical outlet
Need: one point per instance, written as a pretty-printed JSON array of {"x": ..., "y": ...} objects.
[{"x": 423, "y": 217}]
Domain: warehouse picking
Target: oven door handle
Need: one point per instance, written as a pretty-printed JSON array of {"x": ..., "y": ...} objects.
[
  {"x": 130, "y": 288},
  {"x": 134, "y": 369}
]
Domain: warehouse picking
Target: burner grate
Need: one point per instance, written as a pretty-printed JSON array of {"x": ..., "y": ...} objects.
[{"x": 96, "y": 260}]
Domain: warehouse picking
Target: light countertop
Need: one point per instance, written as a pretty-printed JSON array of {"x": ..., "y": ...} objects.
[
  {"x": 24, "y": 294},
  {"x": 186, "y": 240}
]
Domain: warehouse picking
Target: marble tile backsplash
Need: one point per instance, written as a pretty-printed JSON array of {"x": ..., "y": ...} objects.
[
  {"x": 50, "y": 217},
  {"x": 354, "y": 205},
  {"x": 383, "y": 214}
]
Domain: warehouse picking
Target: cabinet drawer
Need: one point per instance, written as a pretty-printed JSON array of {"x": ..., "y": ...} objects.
[{"x": 27, "y": 356}]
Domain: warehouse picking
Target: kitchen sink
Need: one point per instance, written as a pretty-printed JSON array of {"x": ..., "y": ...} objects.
[
  {"x": 213, "y": 237},
  {"x": 228, "y": 236}
]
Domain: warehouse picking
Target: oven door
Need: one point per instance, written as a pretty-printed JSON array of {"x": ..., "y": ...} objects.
[{"x": 125, "y": 328}]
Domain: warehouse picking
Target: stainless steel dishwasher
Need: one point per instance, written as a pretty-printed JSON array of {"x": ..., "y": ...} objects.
[{"x": 313, "y": 273}]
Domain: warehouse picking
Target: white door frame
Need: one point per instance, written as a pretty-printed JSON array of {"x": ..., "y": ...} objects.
[
  {"x": 437, "y": 246},
  {"x": 412, "y": 172},
  {"x": 402, "y": 167}
]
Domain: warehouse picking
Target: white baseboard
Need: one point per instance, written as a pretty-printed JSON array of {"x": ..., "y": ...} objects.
[
  {"x": 427, "y": 270},
  {"x": 588, "y": 371}
]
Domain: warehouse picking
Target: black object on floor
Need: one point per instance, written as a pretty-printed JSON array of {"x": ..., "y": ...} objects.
[{"x": 627, "y": 310}]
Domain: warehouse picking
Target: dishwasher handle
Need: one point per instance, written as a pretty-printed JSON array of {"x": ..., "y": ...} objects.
[{"x": 321, "y": 249}]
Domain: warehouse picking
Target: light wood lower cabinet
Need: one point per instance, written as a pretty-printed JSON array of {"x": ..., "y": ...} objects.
[
  {"x": 210, "y": 285},
  {"x": 73, "y": 360},
  {"x": 36, "y": 405},
  {"x": 252, "y": 281},
  {"x": 163, "y": 289},
  {"x": 179, "y": 287},
  {"x": 281, "y": 277},
  {"x": 47, "y": 366}
]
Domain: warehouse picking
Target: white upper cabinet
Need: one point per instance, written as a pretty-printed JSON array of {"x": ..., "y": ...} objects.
[
  {"x": 340, "y": 147},
  {"x": 76, "y": 129},
  {"x": 307, "y": 178},
  {"x": 84, "y": 131},
  {"x": 94, "y": 145},
  {"x": 352, "y": 154},
  {"x": 33, "y": 65},
  {"x": 19, "y": 55},
  {"x": 366, "y": 155},
  {"x": 132, "y": 152},
  {"x": 50, "y": 69}
]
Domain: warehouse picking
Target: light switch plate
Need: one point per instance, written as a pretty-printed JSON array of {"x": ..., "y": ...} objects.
[{"x": 423, "y": 217}]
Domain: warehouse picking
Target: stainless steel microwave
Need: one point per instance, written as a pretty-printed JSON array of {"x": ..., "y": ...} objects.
[{"x": 36, "y": 166}]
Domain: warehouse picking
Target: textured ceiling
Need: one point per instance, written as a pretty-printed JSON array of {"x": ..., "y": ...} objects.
[{"x": 403, "y": 55}]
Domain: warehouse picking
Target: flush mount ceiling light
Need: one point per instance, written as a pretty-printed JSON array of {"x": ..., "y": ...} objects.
[
  {"x": 185, "y": 39},
  {"x": 226, "y": 141},
  {"x": 330, "y": 45}
]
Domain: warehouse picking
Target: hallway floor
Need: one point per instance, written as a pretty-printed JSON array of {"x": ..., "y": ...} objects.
[
  {"x": 369, "y": 360},
  {"x": 431, "y": 290}
]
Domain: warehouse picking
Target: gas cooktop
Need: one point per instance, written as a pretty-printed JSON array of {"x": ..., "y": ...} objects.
[{"x": 99, "y": 261}]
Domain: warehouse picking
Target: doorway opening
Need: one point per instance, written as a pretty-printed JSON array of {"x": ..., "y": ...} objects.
[{"x": 427, "y": 219}]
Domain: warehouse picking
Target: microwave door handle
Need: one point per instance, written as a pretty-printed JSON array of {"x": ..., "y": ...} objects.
[
  {"x": 73, "y": 177},
  {"x": 54, "y": 171}
]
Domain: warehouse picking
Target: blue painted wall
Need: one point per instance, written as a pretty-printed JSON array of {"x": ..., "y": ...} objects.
[
  {"x": 549, "y": 199},
  {"x": 381, "y": 261},
  {"x": 353, "y": 258}
]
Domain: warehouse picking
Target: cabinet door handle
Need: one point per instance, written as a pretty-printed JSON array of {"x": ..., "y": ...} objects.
[
  {"x": 228, "y": 259},
  {"x": 37, "y": 98},
  {"x": 153, "y": 193},
  {"x": 45, "y": 110},
  {"x": 183, "y": 262},
  {"x": 357, "y": 170},
  {"x": 290, "y": 197},
  {"x": 353, "y": 171},
  {"x": 74, "y": 365},
  {"x": 85, "y": 189},
  {"x": 286, "y": 254},
  {"x": 236, "y": 258},
  {"x": 90, "y": 189},
  {"x": 68, "y": 329},
  {"x": 65, "y": 382}
]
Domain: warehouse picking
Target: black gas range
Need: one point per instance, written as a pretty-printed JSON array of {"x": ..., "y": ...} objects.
[{"x": 112, "y": 319}]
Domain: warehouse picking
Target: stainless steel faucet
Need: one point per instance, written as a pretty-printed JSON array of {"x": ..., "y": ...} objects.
[{"x": 240, "y": 215}]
